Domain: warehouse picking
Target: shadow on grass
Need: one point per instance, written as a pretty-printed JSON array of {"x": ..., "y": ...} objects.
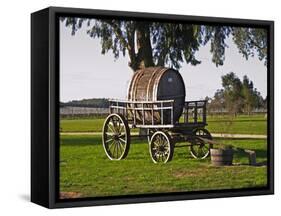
[
  {"x": 73, "y": 140},
  {"x": 263, "y": 163},
  {"x": 259, "y": 154},
  {"x": 258, "y": 164}
]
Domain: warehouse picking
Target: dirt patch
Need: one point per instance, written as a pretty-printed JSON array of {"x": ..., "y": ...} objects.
[
  {"x": 69, "y": 195},
  {"x": 184, "y": 174}
]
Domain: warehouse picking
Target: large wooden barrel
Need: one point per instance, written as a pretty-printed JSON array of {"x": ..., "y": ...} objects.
[{"x": 158, "y": 83}]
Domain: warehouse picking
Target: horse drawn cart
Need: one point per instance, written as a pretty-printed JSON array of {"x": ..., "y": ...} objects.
[{"x": 156, "y": 106}]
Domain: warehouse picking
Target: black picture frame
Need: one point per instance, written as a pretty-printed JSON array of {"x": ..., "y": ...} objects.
[{"x": 45, "y": 108}]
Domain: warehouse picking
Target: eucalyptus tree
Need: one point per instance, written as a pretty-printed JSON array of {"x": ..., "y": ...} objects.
[{"x": 168, "y": 44}]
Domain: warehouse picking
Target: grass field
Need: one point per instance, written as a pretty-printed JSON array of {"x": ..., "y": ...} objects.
[
  {"x": 243, "y": 124},
  {"x": 82, "y": 125},
  {"x": 86, "y": 171}
]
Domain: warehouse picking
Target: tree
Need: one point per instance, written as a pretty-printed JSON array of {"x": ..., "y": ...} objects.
[
  {"x": 168, "y": 44},
  {"x": 232, "y": 93},
  {"x": 252, "y": 98},
  {"x": 237, "y": 96},
  {"x": 248, "y": 94},
  {"x": 258, "y": 100},
  {"x": 217, "y": 103}
]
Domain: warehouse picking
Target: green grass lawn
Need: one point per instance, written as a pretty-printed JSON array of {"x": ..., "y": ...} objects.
[
  {"x": 242, "y": 124},
  {"x": 85, "y": 169},
  {"x": 82, "y": 125}
]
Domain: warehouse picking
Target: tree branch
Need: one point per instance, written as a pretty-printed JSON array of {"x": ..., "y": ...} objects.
[{"x": 117, "y": 31}]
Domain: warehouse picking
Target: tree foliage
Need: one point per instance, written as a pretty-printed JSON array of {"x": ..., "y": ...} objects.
[
  {"x": 168, "y": 44},
  {"x": 237, "y": 96},
  {"x": 93, "y": 102},
  {"x": 251, "y": 41},
  {"x": 232, "y": 93}
]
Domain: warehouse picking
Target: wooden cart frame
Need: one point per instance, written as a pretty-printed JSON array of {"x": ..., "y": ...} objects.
[{"x": 155, "y": 119}]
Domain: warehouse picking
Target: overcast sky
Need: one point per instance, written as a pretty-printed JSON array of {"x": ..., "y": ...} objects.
[{"x": 86, "y": 73}]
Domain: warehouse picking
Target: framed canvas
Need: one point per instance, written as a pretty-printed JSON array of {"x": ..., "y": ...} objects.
[{"x": 139, "y": 107}]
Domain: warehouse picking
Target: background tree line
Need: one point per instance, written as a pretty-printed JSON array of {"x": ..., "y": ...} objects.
[
  {"x": 93, "y": 102},
  {"x": 236, "y": 96}
]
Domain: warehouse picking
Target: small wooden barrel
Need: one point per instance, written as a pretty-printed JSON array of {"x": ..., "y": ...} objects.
[
  {"x": 158, "y": 83},
  {"x": 221, "y": 157}
]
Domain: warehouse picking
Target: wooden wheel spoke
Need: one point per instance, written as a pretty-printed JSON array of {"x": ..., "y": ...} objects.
[
  {"x": 109, "y": 140},
  {"x": 121, "y": 128},
  {"x": 156, "y": 143},
  {"x": 114, "y": 149},
  {"x": 111, "y": 128},
  {"x": 124, "y": 141},
  {"x": 122, "y": 146},
  {"x": 117, "y": 147},
  {"x": 112, "y": 144},
  {"x": 205, "y": 149},
  {"x": 158, "y": 156},
  {"x": 117, "y": 126},
  {"x": 109, "y": 134},
  {"x": 121, "y": 136}
]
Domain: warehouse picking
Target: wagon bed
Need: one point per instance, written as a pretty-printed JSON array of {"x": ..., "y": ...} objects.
[
  {"x": 156, "y": 119},
  {"x": 141, "y": 114}
]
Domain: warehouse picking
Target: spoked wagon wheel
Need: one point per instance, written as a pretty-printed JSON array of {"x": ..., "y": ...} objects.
[
  {"x": 199, "y": 149},
  {"x": 116, "y": 137},
  {"x": 160, "y": 147}
]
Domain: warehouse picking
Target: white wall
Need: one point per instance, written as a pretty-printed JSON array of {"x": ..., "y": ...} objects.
[{"x": 15, "y": 107}]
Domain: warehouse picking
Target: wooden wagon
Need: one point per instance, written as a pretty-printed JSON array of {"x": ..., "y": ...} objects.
[{"x": 157, "y": 108}]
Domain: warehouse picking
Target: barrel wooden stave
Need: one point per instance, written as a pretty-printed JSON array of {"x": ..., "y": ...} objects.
[
  {"x": 154, "y": 84},
  {"x": 221, "y": 157}
]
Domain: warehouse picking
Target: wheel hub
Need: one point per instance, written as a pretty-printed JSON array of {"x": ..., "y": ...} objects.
[
  {"x": 161, "y": 148},
  {"x": 115, "y": 136}
]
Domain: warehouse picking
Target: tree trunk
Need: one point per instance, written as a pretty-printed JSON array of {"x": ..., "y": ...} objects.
[{"x": 143, "y": 58}]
